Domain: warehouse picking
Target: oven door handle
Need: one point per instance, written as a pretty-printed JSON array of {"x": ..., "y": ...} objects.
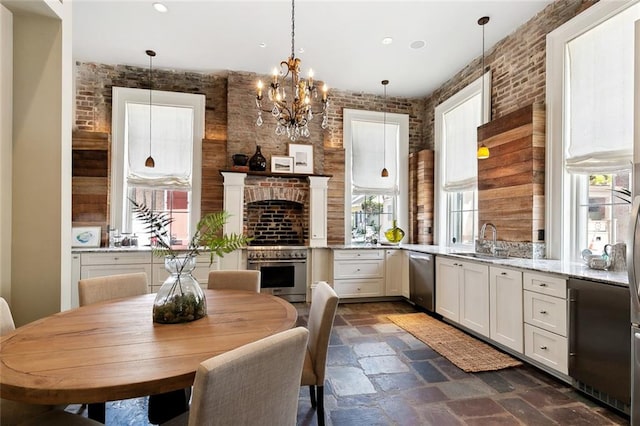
[{"x": 267, "y": 261}]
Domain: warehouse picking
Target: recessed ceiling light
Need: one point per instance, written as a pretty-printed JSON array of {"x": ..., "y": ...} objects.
[
  {"x": 301, "y": 50},
  {"x": 418, "y": 44},
  {"x": 160, "y": 7},
  {"x": 263, "y": 45},
  {"x": 387, "y": 40}
]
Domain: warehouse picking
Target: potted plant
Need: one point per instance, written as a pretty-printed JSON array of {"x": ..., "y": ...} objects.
[{"x": 180, "y": 298}]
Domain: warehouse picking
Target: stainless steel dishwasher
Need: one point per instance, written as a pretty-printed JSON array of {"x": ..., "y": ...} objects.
[
  {"x": 422, "y": 288},
  {"x": 600, "y": 341}
]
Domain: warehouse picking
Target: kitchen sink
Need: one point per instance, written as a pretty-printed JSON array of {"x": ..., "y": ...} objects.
[{"x": 476, "y": 255}]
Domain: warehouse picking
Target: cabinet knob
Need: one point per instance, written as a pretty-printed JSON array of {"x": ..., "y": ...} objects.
[
  {"x": 544, "y": 348},
  {"x": 543, "y": 312},
  {"x": 358, "y": 270},
  {"x": 116, "y": 258},
  {"x": 503, "y": 273},
  {"x": 543, "y": 284}
]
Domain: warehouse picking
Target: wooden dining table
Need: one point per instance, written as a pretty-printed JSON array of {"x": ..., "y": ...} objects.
[{"x": 113, "y": 350}]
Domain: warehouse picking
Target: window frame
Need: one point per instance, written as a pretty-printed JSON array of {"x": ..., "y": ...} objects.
[
  {"x": 561, "y": 198},
  {"x": 402, "y": 196},
  {"x": 124, "y": 95},
  {"x": 441, "y": 204}
]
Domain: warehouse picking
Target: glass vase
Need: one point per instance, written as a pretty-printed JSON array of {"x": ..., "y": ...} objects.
[
  {"x": 180, "y": 298},
  {"x": 394, "y": 234}
]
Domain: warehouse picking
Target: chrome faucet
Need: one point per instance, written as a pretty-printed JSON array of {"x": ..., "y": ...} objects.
[{"x": 483, "y": 239}]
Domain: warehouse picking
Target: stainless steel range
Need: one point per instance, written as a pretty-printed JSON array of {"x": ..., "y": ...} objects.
[{"x": 283, "y": 270}]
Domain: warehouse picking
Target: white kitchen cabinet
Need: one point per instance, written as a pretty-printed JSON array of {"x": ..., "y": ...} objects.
[
  {"x": 545, "y": 317},
  {"x": 505, "y": 307},
  {"x": 318, "y": 192},
  {"x": 359, "y": 273},
  {"x": 447, "y": 288},
  {"x": 395, "y": 274},
  {"x": 474, "y": 297},
  {"x": 101, "y": 264},
  {"x": 462, "y": 293}
]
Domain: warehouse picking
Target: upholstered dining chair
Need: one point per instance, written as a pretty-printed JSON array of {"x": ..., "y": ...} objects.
[
  {"x": 321, "y": 314},
  {"x": 14, "y": 413},
  {"x": 234, "y": 280},
  {"x": 255, "y": 384},
  {"x": 98, "y": 289}
]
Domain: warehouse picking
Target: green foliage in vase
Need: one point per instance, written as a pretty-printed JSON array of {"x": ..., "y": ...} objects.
[{"x": 208, "y": 235}]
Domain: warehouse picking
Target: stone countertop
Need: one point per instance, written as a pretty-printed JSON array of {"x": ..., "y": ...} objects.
[{"x": 568, "y": 269}]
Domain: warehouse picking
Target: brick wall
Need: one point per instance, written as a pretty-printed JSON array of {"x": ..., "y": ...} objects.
[{"x": 517, "y": 62}]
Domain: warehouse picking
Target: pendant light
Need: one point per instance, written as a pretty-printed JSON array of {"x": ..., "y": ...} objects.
[
  {"x": 385, "y": 172},
  {"x": 483, "y": 151},
  {"x": 149, "y": 162}
]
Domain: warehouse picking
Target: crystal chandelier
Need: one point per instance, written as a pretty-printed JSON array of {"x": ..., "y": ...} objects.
[{"x": 292, "y": 118}]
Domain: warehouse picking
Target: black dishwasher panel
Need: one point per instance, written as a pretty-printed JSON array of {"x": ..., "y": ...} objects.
[
  {"x": 600, "y": 338},
  {"x": 422, "y": 289}
]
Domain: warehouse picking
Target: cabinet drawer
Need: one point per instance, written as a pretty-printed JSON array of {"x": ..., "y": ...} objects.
[
  {"x": 358, "y": 254},
  {"x": 546, "y": 348},
  {"x": 358, "y": 288},
  {"x": 124, "y": 258},
  {"x": 546, "y": 312},
  {"x": 546, "y": 284},
  {"x": 361, "y": 269}
]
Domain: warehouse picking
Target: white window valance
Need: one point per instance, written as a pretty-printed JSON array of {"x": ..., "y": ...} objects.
[
  {"x": 171, "y": 146},
  {"x": 600, "y": 96},
  {"x": 368, "y": 156},
  {"x": 460, "y": 140}
]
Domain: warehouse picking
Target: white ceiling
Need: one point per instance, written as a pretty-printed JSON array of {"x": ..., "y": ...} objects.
[{"x": 341, "y": 39}]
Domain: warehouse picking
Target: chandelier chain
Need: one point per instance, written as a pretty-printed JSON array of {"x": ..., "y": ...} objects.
[{"x": 293, "y": 27}]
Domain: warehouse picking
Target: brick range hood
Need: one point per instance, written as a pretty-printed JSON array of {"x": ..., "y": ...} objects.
[{"x": 277, "y": 209}]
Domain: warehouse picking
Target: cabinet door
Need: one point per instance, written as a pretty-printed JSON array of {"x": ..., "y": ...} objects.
[
  {"x": 447, "y": 298},
  {"x": 474, "y": 297},
  {"x": 505, "y": 307},
  {"x": 92, "y": 271},
  {"x": 393, "y": 272}
]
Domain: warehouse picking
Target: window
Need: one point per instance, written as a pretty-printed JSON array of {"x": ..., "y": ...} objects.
[
  {"x": 173, "y": 185},
  {"x": 369, "y": 147},
  {"x": 456, "y": 143},
  {"x": 590, "y": 115}
]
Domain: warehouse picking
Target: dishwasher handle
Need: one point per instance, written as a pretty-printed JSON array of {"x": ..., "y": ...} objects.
[{"x": 421, "y": 256}]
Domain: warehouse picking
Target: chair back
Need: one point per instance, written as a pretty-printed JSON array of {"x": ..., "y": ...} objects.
[
  {"x": 257, "y": 383},
  {"x": 98, "y": 289},
  {"x": 248, "y": 280},
  {"x": 6, "y": 319},
  {"x": 321, "y": 314}
]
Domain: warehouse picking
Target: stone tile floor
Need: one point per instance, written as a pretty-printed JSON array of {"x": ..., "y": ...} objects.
[{"x": 380, "y": 375}]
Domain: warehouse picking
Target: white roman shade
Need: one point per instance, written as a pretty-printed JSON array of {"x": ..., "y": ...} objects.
[
  {"x": 600, "y": 96},
  {"x": 368, "y": 156},
  {"x": 171, "y": 146},
  {"x": 460, "y": 144}
]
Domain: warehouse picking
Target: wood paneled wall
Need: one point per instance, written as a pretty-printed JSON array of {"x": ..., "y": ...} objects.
[
  {"x": 511, "y": 180},
  {"x": 91, "y": 178}
]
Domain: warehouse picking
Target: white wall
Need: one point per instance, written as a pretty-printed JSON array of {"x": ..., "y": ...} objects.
[
  {"x": 41, "y": 183},
  {"x": 6, "y": 116}
]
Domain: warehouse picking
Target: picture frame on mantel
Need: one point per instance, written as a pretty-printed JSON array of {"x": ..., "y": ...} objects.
[
  {"x": 280, "y": 164},
  {"x": 86, "y": 236},
  {"x": 302, "y": 158}
]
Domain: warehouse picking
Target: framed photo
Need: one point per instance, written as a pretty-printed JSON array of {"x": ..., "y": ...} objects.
[
  {"x": 86, "y": 236},
  {"x": 281, "y": 164},
  {"x": 302, "y": 158}
]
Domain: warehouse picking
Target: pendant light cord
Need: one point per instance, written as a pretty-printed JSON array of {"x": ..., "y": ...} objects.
[{"x": 384, "y": 128}]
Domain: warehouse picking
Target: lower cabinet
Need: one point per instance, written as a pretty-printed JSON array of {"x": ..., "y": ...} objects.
[
  {"x": 505, "y": 307},
  {"x": 101, "y": 264},
  {"x": 462, "y": 293},
  {"x": 359, "y": 273},
  {"x": 396, "y": 273}
]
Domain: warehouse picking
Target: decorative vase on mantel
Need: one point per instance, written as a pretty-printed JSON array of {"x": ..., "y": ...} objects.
[
  {"x": 394, "y": 234},
  {"x": 180, "y": 298},
  {"x": 258, "y": 163}
]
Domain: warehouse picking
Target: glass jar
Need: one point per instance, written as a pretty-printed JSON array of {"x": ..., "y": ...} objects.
[{"x": 180, "y": 298}]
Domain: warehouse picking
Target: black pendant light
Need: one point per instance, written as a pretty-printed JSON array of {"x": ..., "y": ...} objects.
[
  {"x": 483, "y": 151},
  {"x": 149, "y": 162},
  {"x": 385, "y": 172}
]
